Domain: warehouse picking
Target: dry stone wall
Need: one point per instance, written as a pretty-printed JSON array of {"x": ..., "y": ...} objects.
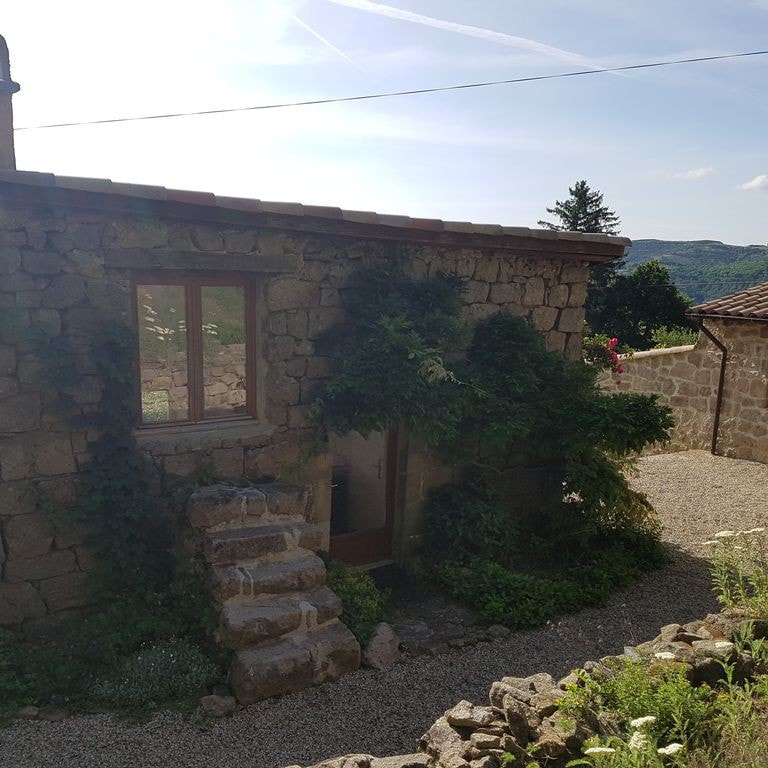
[
  {"x": 64, "y": 273},
  {"x": 686, "y": 379}
]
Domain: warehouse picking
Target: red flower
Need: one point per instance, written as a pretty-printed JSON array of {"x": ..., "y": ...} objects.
[{"x": 613, "y": 343}]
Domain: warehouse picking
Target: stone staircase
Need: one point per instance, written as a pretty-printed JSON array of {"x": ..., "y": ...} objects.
[{"x": 277, "y": 615}]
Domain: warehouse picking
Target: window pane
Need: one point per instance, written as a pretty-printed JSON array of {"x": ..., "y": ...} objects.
[
  {"x": 223, "y": 320},
  {"x": 163, "y": 353}
]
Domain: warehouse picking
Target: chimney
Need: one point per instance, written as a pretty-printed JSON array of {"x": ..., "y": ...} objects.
[{"x": 7, "y": 89}]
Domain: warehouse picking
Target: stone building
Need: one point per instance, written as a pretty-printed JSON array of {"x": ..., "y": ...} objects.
[
  {"x": 717, "y": 388},
  {"x": 228, "y": 297}
]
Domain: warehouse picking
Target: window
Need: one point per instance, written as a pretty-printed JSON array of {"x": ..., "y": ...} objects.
[{"x": 195, "y": 348}]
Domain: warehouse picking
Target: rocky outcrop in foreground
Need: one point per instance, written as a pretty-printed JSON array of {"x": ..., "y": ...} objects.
[{"x": 522, "y": 717}]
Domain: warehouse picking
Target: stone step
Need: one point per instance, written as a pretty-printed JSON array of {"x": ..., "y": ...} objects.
[
  {"x": 298, "y": 574},
  {"x": 231, "y": 547},
  {"x": 222, "y": 506},
  {"x": 291, "y": 664},
  {"x": 247, "y": 624}
]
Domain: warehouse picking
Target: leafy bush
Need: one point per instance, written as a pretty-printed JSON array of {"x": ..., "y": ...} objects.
[
  {"x": 520, "y": 600},
  {"x": 681, "y": 711},
  {"x": 468, "y": 520},
  {"x": 664, "y": 337},
  {"x": 362, "y": 601},
  {"x": 157, "y": 674}
]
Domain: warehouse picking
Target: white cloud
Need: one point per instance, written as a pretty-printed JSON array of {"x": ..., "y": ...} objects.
[
  {"x": 694, "y": 173},
  {"x": 465, "y": 29},
  {"x": 759, "y": 182}
]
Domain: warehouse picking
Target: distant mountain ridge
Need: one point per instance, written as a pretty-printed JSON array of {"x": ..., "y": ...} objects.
[{"x": 704, "y": 269}]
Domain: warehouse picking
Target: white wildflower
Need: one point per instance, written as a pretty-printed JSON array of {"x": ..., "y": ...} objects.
[
  {"x": 599, "y": 751},
  {"x": 725, "y": 534},
  {"x": 665, "y": 656},
  {"x": 639, "y": 722},
  {"x": 638, "y": 741},
  {"x": 670, "y": 749}
]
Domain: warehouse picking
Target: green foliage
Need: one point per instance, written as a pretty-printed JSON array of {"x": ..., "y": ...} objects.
[
  {"x": 664, "y": 338},
  {"x": 131, "y": 529},
  {"x": 738, "y": 561},
  {"x": 362, "y": 601},
  {"x": 634, "y": 305},
  {"x": 157, "y": 674},
  {"x": 64, "y": 670},
  {"x": 705, "y": 269},
  {"x": 391, "y": 357},
  {"x": 682, "y": 711},
  {"x": 505, "y": 395},
  {"x": 585, "y": 577},
  {"x": 466, "y": 521}
]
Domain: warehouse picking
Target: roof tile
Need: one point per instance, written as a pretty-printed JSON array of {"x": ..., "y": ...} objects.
[
  {"x": 751, "y": 304},
  {"x": 194, "y": 198}
]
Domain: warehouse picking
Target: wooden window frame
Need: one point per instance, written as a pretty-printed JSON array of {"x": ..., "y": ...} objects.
[{"x": 193, "y": 283}]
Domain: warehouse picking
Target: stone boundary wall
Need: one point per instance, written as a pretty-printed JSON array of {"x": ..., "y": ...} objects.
[
  {"x": 522, "y": 718},
  {"x": 686, "y": 379},
  {"x": 67, "y": 271}
]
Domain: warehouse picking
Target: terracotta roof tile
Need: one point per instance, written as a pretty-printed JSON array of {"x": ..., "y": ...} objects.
[
  {"x": 751, "y": 304},
  {"x": 189, "y": 196},
  {"x": 286, "y": 209},
  {"x": 360, "y": 217}
]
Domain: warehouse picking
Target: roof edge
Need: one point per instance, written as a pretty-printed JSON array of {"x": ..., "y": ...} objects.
[{"x": 104, "y": 194}]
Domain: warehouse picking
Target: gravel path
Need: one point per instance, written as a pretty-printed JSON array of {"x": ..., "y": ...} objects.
[{"x": 384, "y": 713}]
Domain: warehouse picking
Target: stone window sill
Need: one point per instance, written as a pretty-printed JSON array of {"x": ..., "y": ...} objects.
[{"x": 171, "y": 438}]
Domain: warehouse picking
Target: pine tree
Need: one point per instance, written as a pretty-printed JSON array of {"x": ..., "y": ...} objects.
[{"x": 583, "y": 211}]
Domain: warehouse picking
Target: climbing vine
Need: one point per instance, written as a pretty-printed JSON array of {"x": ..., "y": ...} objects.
[{"x": 479, "y": 397}]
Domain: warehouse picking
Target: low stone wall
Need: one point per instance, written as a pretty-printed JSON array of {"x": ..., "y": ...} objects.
[
  {"x": 686, "y": 379},
  {"x": 522, "y": 719}
]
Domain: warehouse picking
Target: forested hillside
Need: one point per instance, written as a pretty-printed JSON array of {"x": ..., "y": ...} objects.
[{"x": 704, "y": 269}]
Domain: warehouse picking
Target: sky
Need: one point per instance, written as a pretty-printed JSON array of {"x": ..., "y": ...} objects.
[{"x": 678, "y": 152}]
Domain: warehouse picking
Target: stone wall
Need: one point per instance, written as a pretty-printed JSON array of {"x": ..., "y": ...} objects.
[
  {"x": 686, "y": 379},
  {"x": 66, "y": 271}
]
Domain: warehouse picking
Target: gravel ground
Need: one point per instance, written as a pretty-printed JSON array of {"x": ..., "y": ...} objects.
[{"x": 384, "y": 713}]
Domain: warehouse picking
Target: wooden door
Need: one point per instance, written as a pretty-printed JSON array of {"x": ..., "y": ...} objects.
[{"x": 362, "y": 498}]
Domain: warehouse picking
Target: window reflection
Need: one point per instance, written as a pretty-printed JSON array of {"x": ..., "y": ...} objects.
[
  {"x": 163, "y": 353},
  {"x": 223, "y": 335}
]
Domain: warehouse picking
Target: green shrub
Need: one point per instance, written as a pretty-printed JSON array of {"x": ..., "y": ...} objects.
[
  {"x": 157, "y": 674},
  {"x": 682, "y": 712},
  {"x": 522, "y": 600},
  {"x": 466, "y": 521},
  {"x": 664, "y": 337},
  {"x": 517, "y": 600},
  {"x": 362, "y": 601}
]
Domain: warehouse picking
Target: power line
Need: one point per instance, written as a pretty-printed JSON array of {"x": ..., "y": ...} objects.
[{"x": 391, "y": 94}]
